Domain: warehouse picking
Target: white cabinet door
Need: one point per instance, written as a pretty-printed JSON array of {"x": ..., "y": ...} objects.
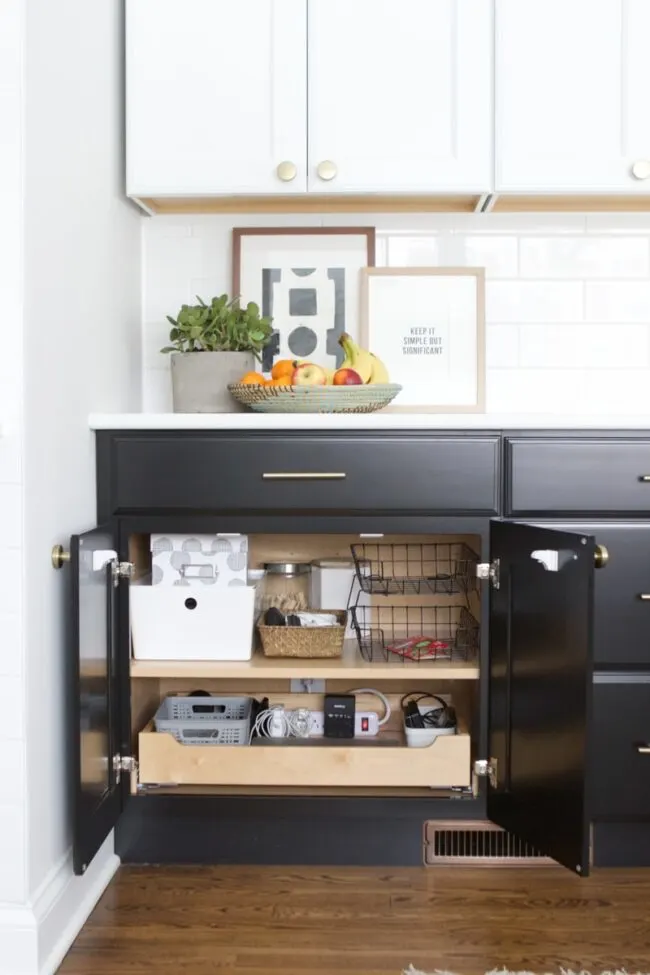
[
  {"x": 216, "y": 96},
  {"x": 573, "y": 95},
  {"x": 400, "y": 95}
]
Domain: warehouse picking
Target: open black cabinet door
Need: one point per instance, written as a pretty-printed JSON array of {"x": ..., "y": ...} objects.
[
  {"x": 94, "y": 699},
  {"x": 540, "y": 687}
]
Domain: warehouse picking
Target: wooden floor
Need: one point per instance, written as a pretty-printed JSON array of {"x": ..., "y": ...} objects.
[{"x": 267, "y": 921}]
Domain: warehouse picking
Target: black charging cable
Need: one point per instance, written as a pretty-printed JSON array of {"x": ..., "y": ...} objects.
[{"x": 442, "y": 717}]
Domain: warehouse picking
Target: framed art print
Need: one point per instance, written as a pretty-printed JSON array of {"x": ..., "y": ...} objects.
[
  {"x": 307, "y": 280},
  {"x": 428, "y": 326}
]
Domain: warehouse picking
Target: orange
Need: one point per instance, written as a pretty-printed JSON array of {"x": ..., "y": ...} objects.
[
  {"x": 280, "y": 381},
  {"x": 283, "y": 367},
  {"x": 253, "y": 379}
]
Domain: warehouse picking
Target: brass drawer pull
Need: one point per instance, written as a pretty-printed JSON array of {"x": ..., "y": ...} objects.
[
  {"x": 645, "y": 597},
  {"x": 304, "y": 476},
  {"x": 645, "y": 478},
  {"x": 643, "y": 749}
]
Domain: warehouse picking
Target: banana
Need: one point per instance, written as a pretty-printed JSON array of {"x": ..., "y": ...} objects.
[
  {"x": 355, "y": 358},
  {"x": 379, "y": 371},
  {"x": 330, "y": 376}
]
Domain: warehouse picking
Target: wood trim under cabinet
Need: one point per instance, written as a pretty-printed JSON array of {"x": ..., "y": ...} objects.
[{"x": 387, "y": 203}]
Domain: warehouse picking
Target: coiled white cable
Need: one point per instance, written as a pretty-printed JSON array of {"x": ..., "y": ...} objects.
[
  {"x": 277, "y": 722},
  {"x": 382, "y": 698}
]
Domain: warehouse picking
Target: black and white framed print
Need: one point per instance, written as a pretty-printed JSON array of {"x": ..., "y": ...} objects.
[
  {"x": 427, "y": 324},
  {"x": 307, "y": 280}
]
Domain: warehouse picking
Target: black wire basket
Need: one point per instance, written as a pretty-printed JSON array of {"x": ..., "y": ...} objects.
[
  {"x": 412, "y": 568},
  {"x": 415, "y": 634}
]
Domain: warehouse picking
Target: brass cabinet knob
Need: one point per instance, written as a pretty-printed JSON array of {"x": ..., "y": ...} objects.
[
  {"x": 287, "y": 171},
  {"x": 641, "y": 169},
  {"x": 327, "y": 170},
  {"x": 601, "y": 557},
  {"x": 59, "y": 556}
]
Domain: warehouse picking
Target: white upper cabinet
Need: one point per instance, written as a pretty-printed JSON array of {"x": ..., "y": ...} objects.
[
  {"x": 400, "y": 96},
  {"x": 216, "y": 97},
  {"x": 573, "y": 96}
]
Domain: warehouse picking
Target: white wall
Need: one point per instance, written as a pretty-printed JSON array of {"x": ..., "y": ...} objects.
[
  {"x": 13, "y": 868},
  {"x": 81, "y": 351},
  {"x": 568, "y": 297}
]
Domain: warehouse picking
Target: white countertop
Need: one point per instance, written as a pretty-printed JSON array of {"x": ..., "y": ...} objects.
[{"x": 361, "y": 421}]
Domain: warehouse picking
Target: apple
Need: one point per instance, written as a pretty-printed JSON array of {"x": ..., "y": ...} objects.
[
  {"x": 347, "y": 377},
  {"x": 308, "y": 374}
]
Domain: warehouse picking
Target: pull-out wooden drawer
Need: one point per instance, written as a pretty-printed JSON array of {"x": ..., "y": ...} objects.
[
  {"x": 292, "y": 472},
  {"x": 163, "y": 761},
  {"x": 574, "y": 475}
]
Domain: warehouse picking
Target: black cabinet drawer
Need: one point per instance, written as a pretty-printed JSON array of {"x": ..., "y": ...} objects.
[
  {"x": 620, "y": 771},
  {"x": 572, "y": 475},
  {"x": 621, "y": 614},
  {"x": 300, "y": 472}
]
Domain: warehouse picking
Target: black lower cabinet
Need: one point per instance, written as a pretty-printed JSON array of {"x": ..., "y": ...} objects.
[{"x": 620, "y": 747}]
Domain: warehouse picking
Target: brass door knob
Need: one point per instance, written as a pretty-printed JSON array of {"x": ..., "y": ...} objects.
[
  {"x": 327, "y": 170},
  {"x": 59, "y": 556},
  {"x": 601, "y": 557},
  {"x": 641, "y": 169},
  {"x": 287, "y": 171}
]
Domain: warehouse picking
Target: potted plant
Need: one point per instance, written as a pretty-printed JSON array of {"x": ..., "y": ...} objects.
[{"x": 214, "y": 345}]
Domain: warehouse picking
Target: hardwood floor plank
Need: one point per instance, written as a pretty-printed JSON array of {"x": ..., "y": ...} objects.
[{"x": 351, "y": 921}]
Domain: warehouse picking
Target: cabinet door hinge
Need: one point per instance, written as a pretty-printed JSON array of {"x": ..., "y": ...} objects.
[
  {"x": 121, "y": 570},
  {"x": 491, "y": 571},
  {"x": 484, "y": 769},
  {"x": 124, "y": 763}
]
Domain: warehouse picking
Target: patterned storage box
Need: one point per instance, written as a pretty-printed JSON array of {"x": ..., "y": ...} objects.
[{"x": 199, "y": 560}]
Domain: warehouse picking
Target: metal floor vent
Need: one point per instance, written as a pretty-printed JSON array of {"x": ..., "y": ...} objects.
[{"x": 477, "y": 844}]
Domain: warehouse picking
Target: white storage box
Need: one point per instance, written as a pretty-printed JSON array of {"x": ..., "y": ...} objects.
[
  {"x": 334, "y": 585},
  {"x": 192, "y": 624},
  {"x": 199, "y": 560}
]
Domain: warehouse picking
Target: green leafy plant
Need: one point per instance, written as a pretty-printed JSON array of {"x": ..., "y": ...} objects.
[{"x": 221, "y": 326}]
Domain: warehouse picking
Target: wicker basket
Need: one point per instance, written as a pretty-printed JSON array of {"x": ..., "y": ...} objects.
[
  {"x": 304, "y": 641},
  {"x": 315, "y": 399}
]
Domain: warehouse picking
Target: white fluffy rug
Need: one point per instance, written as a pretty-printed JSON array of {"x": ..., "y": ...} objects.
[{"x": 504, "y": 971}]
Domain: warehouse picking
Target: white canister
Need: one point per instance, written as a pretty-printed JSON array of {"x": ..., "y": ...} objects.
[{"x": 334, "y": 585}]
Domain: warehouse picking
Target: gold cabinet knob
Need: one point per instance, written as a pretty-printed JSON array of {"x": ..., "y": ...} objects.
[
  {"x": 641, "y": 169},
  {"x": 601, "y": 557},
  {"x": 287, "y": 171},
  {"x": 59, "y": 556},
  {"x": 327, "y": 170}
]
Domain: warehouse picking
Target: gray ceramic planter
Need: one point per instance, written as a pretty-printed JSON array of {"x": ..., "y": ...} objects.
[{"x": 200, "y": 380}]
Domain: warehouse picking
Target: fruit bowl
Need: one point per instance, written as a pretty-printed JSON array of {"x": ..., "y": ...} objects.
[{"x": 315, "y": 399}]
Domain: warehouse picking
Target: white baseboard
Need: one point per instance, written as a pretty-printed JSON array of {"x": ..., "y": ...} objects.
[{"x": 36, "y": 937}]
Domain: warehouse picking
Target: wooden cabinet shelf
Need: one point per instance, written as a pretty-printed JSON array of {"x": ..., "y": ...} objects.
[{"x": 349, "y": 666}]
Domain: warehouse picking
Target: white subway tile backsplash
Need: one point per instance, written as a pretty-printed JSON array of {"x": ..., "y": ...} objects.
[
  {"x": 584, "y": 257},
  {"x": 497, "y": 254},
  {"x": 547, "y": 277},
  {"x": 534, "y": 301},
  {"x": 617, "y": 301},
  {"x": 421, "y": 251},
  {"x": 502, "y": 346},
  {"x": 585, "y": 346}
]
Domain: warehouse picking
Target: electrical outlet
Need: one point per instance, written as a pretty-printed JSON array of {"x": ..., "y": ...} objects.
[{"x": 307, "y": 685}]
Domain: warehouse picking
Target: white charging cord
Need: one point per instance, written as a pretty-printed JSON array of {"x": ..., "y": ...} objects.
[
  {"x": 276, "y": 722},
  {"x": 382, "y": 698}
]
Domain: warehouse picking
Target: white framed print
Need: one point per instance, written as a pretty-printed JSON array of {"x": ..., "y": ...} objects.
[
  {"x": 306, "y": 279},
  {"x": 428, "y": 327}
]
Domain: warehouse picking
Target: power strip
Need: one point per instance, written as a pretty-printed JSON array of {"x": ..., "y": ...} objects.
[{"x": 366, "y": 725}]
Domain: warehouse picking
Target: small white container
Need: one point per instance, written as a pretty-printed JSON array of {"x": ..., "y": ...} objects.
[
  {"x": 421, "y": 737},
  {"x": 334, "y": 585},
  {"x": 192, "y": 624}
]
